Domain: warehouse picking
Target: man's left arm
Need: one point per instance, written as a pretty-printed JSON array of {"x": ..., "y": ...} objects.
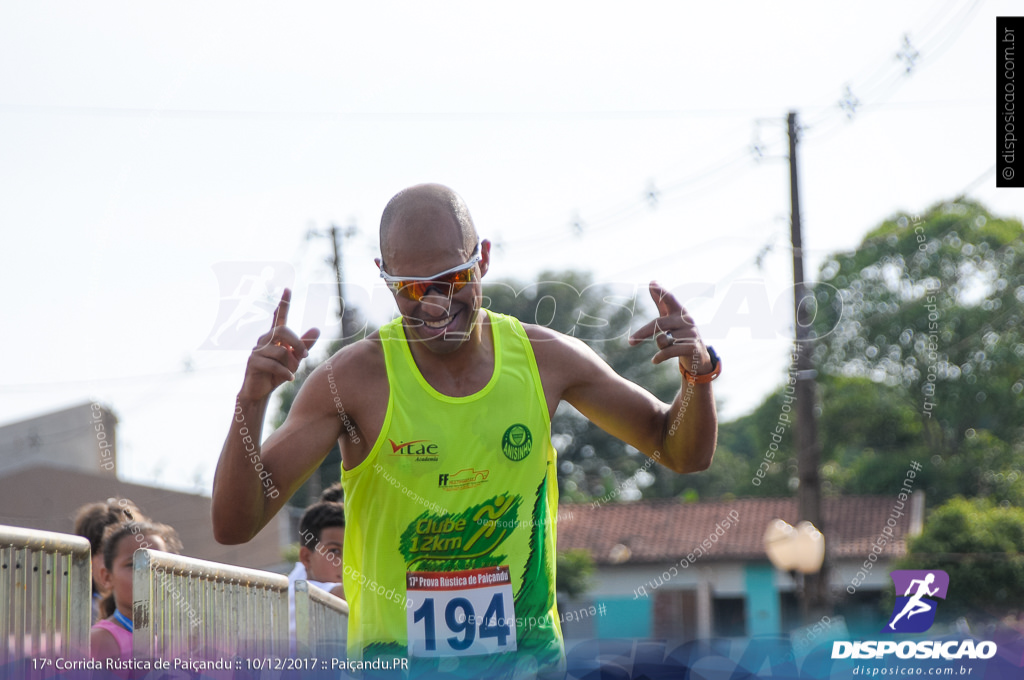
[{"x": 682, "y": 435}]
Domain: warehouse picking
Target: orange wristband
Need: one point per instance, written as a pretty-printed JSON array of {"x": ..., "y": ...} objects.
[{"x": 694, "y": 379}]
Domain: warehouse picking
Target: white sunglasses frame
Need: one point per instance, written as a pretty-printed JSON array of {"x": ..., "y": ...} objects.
[{"x": 474, "y": 259}]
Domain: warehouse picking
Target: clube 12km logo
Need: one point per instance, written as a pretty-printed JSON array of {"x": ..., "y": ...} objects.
[{"x": 914, "y": 612}]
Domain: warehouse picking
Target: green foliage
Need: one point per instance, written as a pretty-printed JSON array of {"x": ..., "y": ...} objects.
[
  {"x": 868, "y": 434},
  {"x": 919, "y": 349},
  {"x": 926, "y": 314},
  {"x": 725, "y": 479},
  {"x": 290, "y": 553},
  {"x": 981, "y": 546},
  {"x": 573, "y": 571},
  {"x": 742, "y": 445},
  {"x": 940, "y": 294}
]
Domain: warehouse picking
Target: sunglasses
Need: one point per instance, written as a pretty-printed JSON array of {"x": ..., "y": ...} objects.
[{"x": 449, "y": 282}]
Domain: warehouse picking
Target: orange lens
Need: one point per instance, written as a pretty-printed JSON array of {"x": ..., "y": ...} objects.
[{"x": 448, "y": 285}]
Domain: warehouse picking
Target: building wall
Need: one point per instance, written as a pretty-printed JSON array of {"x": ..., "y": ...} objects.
[
  {"x": 658, "y": 600},
  {"x": 47, "y": 498},
  {"x": 715, "y": 599},
  {"x": 876, "y": 578},
  {"x": 79, "y": 438}
]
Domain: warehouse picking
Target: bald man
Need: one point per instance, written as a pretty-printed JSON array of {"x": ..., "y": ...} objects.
[{"x": 443, "y": 417}]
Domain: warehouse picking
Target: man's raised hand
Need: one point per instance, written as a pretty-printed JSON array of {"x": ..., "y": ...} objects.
[
  {"x": 674, "y": 332},
  {"x": 276, "y": 356}
]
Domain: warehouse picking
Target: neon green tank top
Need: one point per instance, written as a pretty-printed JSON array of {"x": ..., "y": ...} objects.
[{"x": 450, "y": 537}]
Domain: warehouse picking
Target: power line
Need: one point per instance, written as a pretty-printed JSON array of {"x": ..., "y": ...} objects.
[
  {"x": 869, "y": 94},
  {"x": 44, "y": 387},
  {"x": 704, "y": 245},
  {"x": 915, "y": 55},
  {"x": 374, "y": 116},
  {"x": 872, "y": 93}
]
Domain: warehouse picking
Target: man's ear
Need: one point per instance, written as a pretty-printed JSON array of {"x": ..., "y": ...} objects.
[
  {"x": 485, "y": 257},
  {"x": 305, "y": 556}
]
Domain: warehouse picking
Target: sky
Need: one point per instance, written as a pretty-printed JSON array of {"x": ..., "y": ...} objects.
[{"x": 166, "y": 168}]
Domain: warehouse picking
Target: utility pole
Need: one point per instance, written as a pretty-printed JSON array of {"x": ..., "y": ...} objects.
[
  {"x": 806, "y": 435},
  {"x": 329, "y": 470},
  {"x": 338, "y": 234}
]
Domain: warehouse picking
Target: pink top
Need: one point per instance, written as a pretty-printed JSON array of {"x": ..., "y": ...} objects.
[{"x": 121, "y": 636}]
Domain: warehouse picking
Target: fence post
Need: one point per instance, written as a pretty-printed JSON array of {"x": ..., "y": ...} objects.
[
  {"x": 45, "y": 595},
  {"x": 321, "y": 622}
]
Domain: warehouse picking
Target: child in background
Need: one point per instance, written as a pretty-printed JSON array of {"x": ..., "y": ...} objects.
[
  {"x": 111, "y": 638},
  {"x": 91, "y": 520},
  {"x": 321, "y": 536},
  {"x": 333, "y": 493}
]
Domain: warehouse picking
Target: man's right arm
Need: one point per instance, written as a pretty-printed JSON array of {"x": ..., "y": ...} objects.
[{"x": 253, "y": 481}]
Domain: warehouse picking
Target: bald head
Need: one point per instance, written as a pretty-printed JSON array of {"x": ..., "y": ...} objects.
[{"x": 426, "y": 216}]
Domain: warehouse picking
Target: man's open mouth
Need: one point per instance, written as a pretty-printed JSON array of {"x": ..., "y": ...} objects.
[{"x": 440, "y": 323}]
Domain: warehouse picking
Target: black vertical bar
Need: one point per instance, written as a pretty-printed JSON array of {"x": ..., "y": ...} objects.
[{"x": 1009, "y": 34}]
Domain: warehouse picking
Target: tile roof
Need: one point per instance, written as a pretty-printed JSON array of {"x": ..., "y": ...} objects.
[{"x": 661, "y": 530}]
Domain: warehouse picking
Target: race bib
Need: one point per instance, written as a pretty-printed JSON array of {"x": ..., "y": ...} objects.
[{"x": 460, "y": 613}]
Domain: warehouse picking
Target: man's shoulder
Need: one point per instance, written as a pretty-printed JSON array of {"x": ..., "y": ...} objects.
[
  {"x": 364, "y": 358},
  {"x": 353, "y": 368},
  {"x": 544, "y": 338},
  {"x": 557, "y": 351}
]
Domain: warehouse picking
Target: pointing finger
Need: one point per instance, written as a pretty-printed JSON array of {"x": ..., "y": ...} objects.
[
  {"x": 309, "y": 338},
  {"x": 648, "y": 330},
  {"x": 666, "y": 302},
  {"x": 281, "y": 313}
]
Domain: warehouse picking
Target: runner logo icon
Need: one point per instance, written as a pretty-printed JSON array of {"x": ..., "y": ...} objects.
[{"x": 914, "y": 611}]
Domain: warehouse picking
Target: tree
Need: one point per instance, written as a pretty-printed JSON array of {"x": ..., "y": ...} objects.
[
  {"x": 867, "y": 431},
  {"x": 930, "y": 306},
  {"x": 981, "y": 546},
  {"x": 573, "y": 571}
]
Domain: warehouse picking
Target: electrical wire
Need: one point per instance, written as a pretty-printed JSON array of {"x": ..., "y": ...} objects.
[{"x": 885, "y": 80}]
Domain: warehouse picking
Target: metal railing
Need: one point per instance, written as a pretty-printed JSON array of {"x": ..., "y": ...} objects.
[
  {"x": 182, "y": 607},
  {"x": 189, "y": 608},
  {"x": 45, "y": 595},
  {"x": 321, "y": 622}
]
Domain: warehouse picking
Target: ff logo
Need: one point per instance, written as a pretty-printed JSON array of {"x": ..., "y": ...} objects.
[
  {"x": 914, "y": 611},
  {"x": 463, "y": 479}
]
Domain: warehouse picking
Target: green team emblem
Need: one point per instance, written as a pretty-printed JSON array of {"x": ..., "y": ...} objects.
[{"x": 517, "y": 442}]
